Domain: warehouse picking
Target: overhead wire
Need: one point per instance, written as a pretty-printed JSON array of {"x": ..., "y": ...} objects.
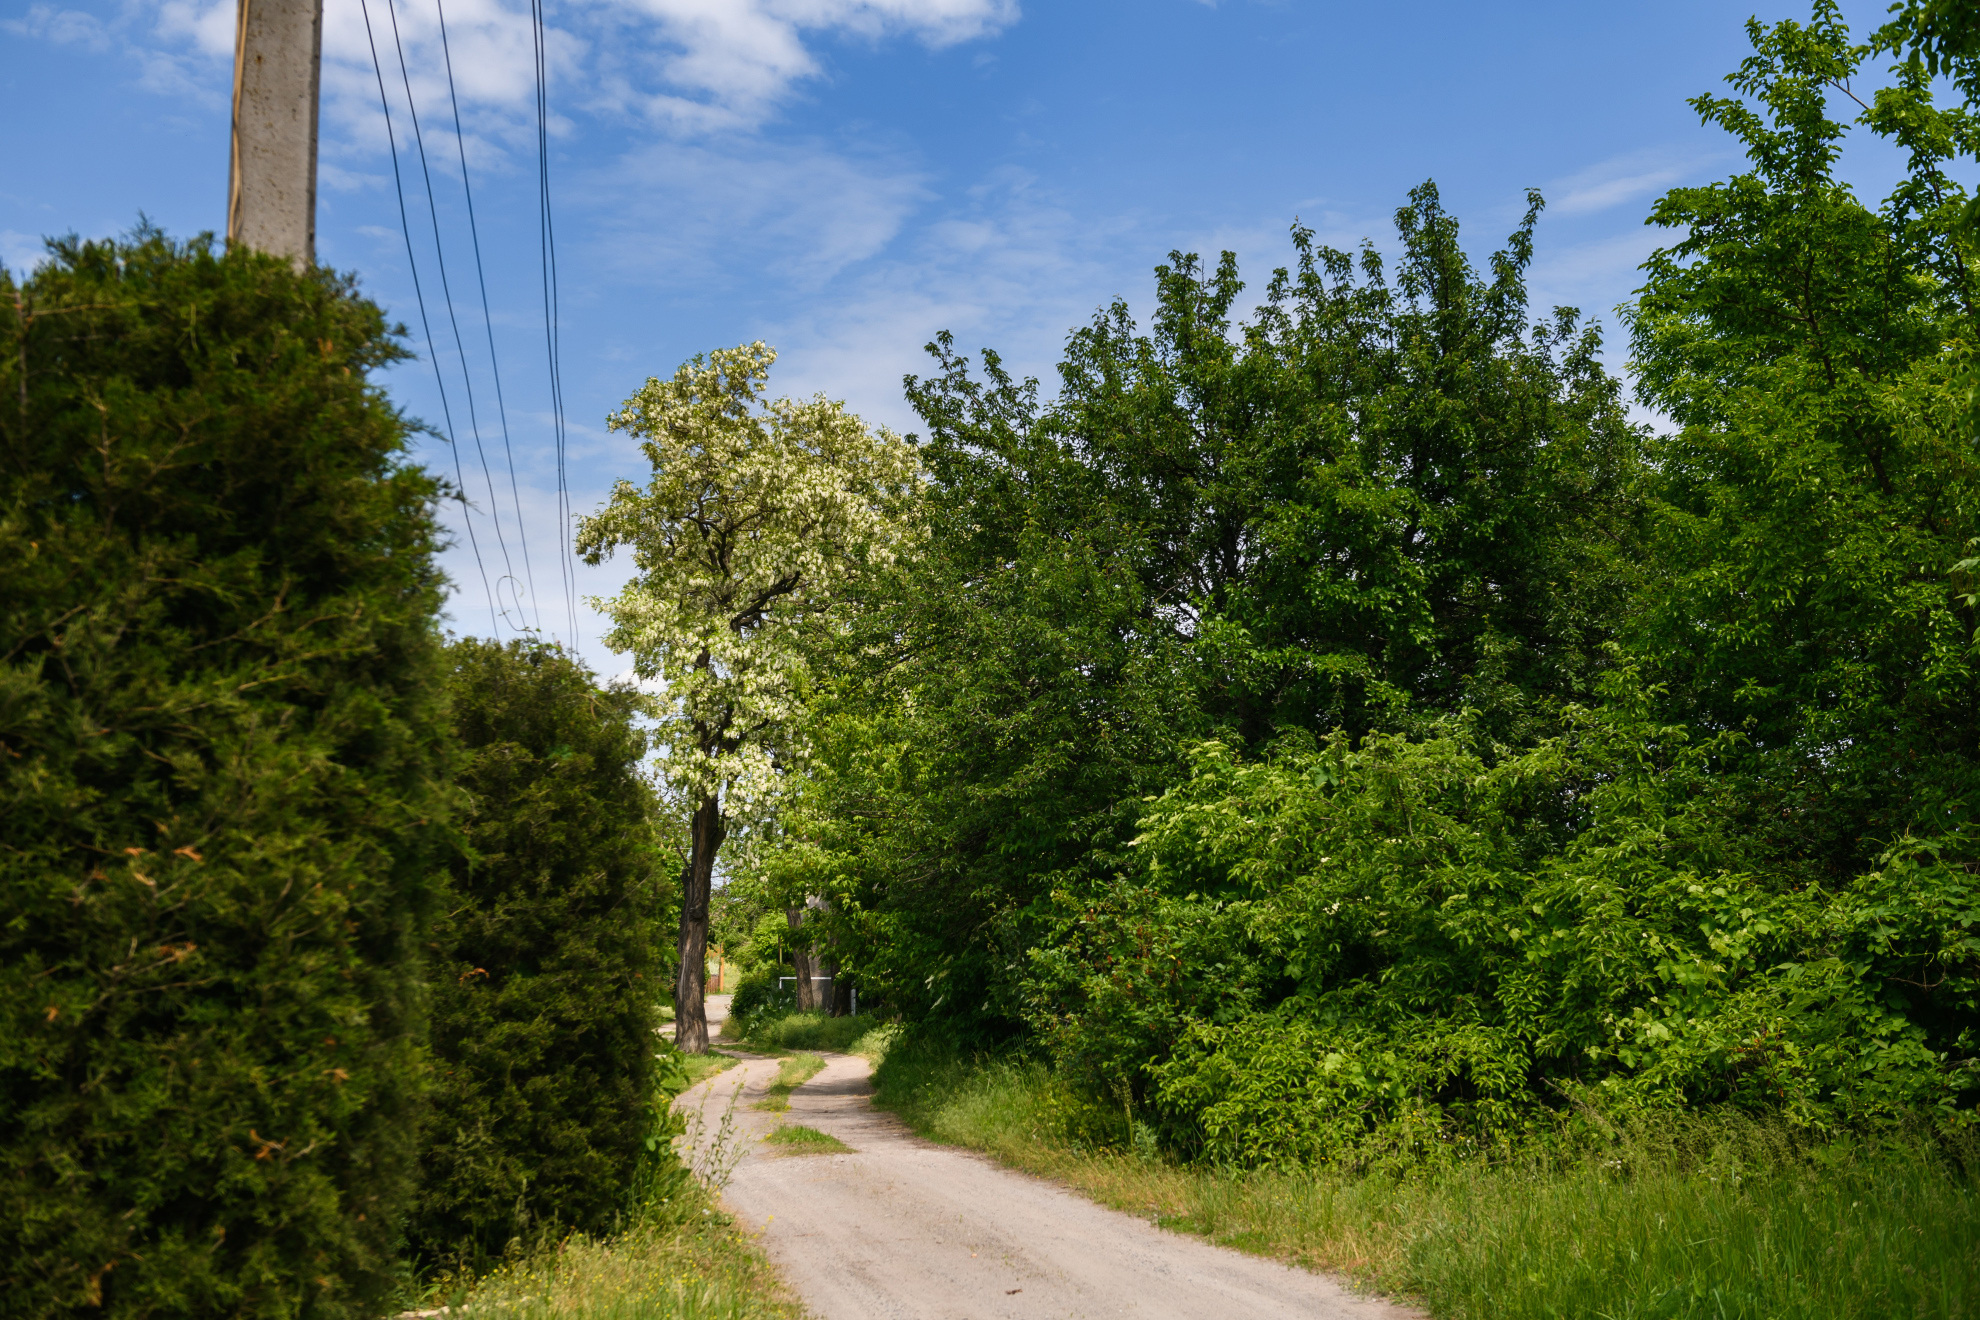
[
  {"x": 552, "y": 332},
  {"x": 488, "y": 320},
  {"x": 426, "y": 326},
  {"x": 447, "y": 296}
]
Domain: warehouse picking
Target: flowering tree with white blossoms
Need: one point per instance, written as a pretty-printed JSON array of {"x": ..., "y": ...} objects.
[{"x": 758, "y": 516}]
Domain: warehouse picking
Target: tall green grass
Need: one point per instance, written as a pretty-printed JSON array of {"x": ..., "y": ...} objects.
[
  {"x": 862, "y": 1034},
  {"x": 678, "y": 1258},
  {"x": 683, "y": 1270},
  {"x": 1704, "y": 1216}
]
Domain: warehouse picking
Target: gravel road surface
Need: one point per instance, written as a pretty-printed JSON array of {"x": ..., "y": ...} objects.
[{"x": 905, "y": 1228}]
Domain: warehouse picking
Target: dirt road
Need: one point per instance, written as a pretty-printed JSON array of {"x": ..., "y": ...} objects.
[{"x": 905, "y": 1228}]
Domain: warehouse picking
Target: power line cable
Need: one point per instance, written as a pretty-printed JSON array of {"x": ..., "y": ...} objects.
[
  {"x": 419, "y": 294},
  {"x": 552, "y": 335},
  {"x": 555, "y": 328},
  {"x": 447, "y": 296},
  {"x": 488, "y": 319}
]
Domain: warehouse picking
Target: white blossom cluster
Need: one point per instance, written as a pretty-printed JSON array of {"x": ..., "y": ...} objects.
[{"x": 758, "y": 515}]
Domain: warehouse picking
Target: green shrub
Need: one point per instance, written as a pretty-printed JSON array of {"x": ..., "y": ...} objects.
[
  {"x": 757, "y": 994},
  {"x": 1384, "y": 948},
  {"x": 791, "y": 1030},
  {"x": 547, "y": 971},
  {"x": 222, "y": 788}
]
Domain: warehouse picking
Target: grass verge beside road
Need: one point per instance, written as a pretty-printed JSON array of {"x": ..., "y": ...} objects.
[
  {"x": 700, "y": 1067},
  {"x": 1709, "y": 1216},
  {"x": 680, "y": 1257},
  {"x": 684, "y": 1260}
]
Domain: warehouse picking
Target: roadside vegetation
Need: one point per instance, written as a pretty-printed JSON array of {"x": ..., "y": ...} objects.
[
  {"x": 700, "y": 1067},
  {"x": 779, "y": 1030},
  {"x": 1715, "y": 1215},
  {"x": 680, "y": 1260}
]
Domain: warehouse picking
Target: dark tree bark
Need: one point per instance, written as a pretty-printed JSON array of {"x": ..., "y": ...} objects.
[
  {"x": 842, "y": 994},
  {"x": 705, "y": 834},
  {"x": 803, "y": 964}
]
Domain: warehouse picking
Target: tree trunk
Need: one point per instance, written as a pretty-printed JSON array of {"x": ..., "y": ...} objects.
[
  {"x": 842, "y": 994},
  {"x": 803, "y": 965},
  {"x": 705, "y": 833}
]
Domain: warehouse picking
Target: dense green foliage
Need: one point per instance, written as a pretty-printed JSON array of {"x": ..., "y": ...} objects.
[
  {"x": 1375, "y": 502},
  {"x": 548, "y": 968},
  {"x": 1345, "y": 732},
  {"x": 1404, "y": 940},
  {"x": 222, "y": 781}
]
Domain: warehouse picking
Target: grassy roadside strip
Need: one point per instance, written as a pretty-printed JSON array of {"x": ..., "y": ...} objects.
[
  {"x": 681, "y": 1258},
  {"x": 700, "y": 1067},
  {"x": 1716, "y": 1217},
  {"x": 684, "y": 1261}
]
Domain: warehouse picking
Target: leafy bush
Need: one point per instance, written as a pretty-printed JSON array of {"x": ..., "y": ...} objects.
[
  {"x": 1401, "y": 944},
  {"x": 757, "y": 994},
  {"x": 222, "y": 788},
  {"x": 816, "y": 1031},
  {"x": 547, "y": 971}
]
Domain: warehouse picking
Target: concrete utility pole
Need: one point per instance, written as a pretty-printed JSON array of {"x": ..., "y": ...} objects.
[{"x": 271, "y": 193}]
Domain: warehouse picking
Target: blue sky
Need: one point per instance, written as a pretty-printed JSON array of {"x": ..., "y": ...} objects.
[{"x": 844, "y": 178}]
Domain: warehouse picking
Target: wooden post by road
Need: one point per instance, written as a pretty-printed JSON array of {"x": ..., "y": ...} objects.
[{"x": 271, "y": 193}]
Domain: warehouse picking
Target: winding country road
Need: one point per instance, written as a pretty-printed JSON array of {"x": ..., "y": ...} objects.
[{"x": 905, "y": 1228}]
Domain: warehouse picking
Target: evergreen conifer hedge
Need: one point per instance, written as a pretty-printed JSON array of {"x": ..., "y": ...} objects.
[
  {"x": 222, "y": 788},
  {"x": 549, "y": 965}
]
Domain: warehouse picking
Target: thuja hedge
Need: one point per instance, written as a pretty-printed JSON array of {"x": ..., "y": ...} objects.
[
  {"x": 548, "y": 964},
  {"x": 222, "y": 786}
]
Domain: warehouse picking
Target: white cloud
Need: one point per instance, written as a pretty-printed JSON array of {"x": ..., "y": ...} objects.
[
  {"x": 21, "y": 252},
  {"x": 1594, "y": 276},
  {"x": 1621, "y": 179},
  {"x": 675, "y": 212},
  {"x": 1006, "y": 266},
  {"x": 742, "y": 56},
  {"x": 63, "y": 27},
  {"x": 689, "y": 65},
  {"x": 208, "y": 27}
]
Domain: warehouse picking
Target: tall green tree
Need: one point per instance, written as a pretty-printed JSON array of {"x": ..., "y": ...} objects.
[
  {"x": 1820, "y": 485},
  {"x": 1387, "y": 495},
  {"x": 758, "y": 515},
  {"x": 223, "y": 800}
]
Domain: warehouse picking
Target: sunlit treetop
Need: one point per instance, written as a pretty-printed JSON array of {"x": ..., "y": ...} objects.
[{"x": 758, "y": 516}]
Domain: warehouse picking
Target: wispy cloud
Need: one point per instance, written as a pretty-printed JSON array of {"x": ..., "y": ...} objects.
[
  {"x": 686, "y": 66},
  {"x": 21, "y": 252},
  {"x": 1623, "y": 178},
  {"x": 672, "y": 213},
  {"x": 62, "y": 27},
  {"x": 732, "y": 61}
]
